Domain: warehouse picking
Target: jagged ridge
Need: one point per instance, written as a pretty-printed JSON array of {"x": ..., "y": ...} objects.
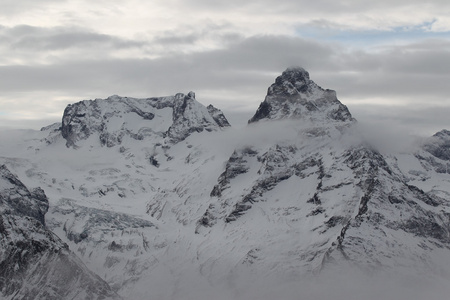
[{"x": 116, "y": 118}]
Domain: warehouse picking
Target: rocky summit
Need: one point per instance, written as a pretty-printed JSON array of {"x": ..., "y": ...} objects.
[
  {"x": 116, "y": 118},
  {"x": 160, "y": 198},
  {"x": 294, "y": 95}
]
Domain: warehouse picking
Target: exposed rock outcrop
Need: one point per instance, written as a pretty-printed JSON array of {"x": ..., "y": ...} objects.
[
  {"x": 116, "y": 118},
  {"x": 32, "y": 257},
  {"x": 295, "y": 96}
]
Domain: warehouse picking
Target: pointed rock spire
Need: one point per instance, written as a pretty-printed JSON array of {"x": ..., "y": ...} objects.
[{"x": 295, "y": 96}]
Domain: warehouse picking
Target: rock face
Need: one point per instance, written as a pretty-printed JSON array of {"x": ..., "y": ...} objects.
[
  {"x": 294, "y": 95},
  {"x": 32, "y": 257},
  {"x": 439, "y": 145},
  {"x": 352, "y": 203},
  {"x": 117, "y": 118}
]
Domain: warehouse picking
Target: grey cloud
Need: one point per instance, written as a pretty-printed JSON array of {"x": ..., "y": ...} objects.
[
  {"x": 266, "y": 54},
  {"x": 227, "y": 68},
  {"x": 426, "y": 61},
  {"x": 237, "y": 76},
  {"x": 248, "y": 64},
  {"x": 36, "y": 44},
  {"x": 63, "y": 40},
  {"x": 398, "y": 121},
  {"x": 231, "y": 68},
  {"x": 171, "y": 39},
  {"x": 32, "y": 39},
  {"x": 174, "y": 41},
  {"x": 413, "y": 73},
  {"x": 305, "y": 8},
  {"x": 13, "y": 7},
  {"x": 177, "y": 39}
]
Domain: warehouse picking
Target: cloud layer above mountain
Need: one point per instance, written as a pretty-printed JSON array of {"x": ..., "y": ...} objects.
[{"x": 385, "y": 64}]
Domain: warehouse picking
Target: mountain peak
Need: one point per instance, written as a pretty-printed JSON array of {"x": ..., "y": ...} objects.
[
  {"x": 117, "y": 118},
  {"x": 443, "y": 134},
  {"x": 439, "y": 145},
  {"x": 295, "y": 96},
  {"x": 293, "y": 80}
]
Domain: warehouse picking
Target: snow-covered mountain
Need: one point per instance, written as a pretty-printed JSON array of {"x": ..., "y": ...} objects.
[
  {"x": 162, "y": 199},
  {"x": 118, "y": 118}
]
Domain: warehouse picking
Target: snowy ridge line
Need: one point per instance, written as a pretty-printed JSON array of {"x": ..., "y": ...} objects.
[{"x": 116, "y": 118}]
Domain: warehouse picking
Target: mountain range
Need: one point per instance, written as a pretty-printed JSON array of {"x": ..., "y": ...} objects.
[{"x": 161, "y": 198}]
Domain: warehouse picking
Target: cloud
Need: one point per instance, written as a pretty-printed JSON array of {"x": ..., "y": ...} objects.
[
  {"x": 44, "y": 39},
  {"x": 37, "y": 45},
  {"x": 339, "y": 15},
  {"x": 221, "y": 65},
  {"x": 18, "y": 7},
  {"x": 189, "y": 39},
  {"x": 240, "y": 68},
  {"x": 131, "y": 18},
  {"x": 398, "y": 121}
]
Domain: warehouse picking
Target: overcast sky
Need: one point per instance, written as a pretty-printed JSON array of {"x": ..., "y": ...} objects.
[{"x": 389, "y": 61}]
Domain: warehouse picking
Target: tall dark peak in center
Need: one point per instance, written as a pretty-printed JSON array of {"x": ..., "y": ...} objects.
[
  {"x": 291, "y": 82},
  {"x": 295, "y": 96}
]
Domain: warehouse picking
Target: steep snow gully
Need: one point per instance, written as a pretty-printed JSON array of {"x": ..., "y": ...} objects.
[{"x": 160, "y": 198}]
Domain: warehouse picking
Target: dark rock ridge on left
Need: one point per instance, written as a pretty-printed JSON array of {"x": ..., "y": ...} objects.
[
  {"x": 32, "y": 257},
  {"x": 116, "y": 118}
]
